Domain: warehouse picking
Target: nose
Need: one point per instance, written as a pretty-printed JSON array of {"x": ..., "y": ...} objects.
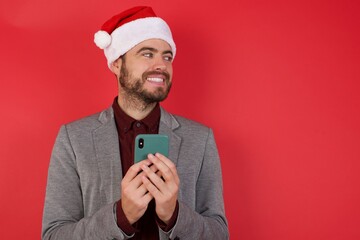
[{"x": 159, "y": 64}]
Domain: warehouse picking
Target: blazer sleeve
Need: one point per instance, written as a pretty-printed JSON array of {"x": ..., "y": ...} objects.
[
  {"x": 63, "y": 216},
  {"x": 208, "y": 221}
]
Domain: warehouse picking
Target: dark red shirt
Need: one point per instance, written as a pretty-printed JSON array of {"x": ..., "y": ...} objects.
[{"x": 128, "y": 128}]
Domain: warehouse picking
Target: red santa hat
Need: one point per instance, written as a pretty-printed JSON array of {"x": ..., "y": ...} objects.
[{"x": 127, "y": 29}]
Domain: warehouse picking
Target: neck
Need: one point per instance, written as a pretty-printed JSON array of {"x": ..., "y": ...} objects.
[{"x": 135, "y": 109}]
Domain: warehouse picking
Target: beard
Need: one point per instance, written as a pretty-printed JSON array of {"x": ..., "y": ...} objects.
[{"x": 134, "y": 87}]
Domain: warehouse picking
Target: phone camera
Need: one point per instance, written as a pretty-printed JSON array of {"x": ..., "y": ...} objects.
[{"x": 141, "y": 143}]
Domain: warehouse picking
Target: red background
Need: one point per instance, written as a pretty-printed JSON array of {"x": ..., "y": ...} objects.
[{"x": 278, "y": 81}]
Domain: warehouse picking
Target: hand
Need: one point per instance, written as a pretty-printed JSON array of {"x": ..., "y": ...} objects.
[
  {"x": 162, "y": 184},
  {"x": 134, "y": 195}
]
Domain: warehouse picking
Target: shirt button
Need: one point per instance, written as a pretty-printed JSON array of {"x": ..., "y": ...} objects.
[{"x": 138, "y": 124}]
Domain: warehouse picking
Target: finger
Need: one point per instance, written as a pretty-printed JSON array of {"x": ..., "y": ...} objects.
[
  {"x": 166, "y": 172},
  {"x": 136, "y": 183},
  {"x": 166, "y": 160},
  {"x": 135, "y": 190},
  {"x": 170, "y": 165},
  {"x": 134, "y": 170},
  {"x": 154, "y": 168},
  {"x": 153, "y": 190},
  {"x": 154, "y": 178},
  {"x": 141, "y": 190},
  {"x": 147, "y": 197}
]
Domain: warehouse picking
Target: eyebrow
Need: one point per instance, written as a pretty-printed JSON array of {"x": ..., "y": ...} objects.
[{"x": 153, "y": 50}]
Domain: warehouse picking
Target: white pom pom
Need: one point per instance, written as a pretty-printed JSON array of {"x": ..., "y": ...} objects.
[{"x": 102, "y": 39}]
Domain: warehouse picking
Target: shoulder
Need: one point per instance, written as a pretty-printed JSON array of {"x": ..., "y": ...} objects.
[
  {"x": 90, "y": 122},
  {"x": 190, "y": 124},
  {"x": 186, "y": 127}
]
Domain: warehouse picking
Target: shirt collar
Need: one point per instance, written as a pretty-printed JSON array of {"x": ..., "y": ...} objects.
[{"x": 124, "y": 122}]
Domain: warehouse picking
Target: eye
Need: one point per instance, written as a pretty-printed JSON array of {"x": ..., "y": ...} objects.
[
  {"x": 168, "y": 58},
  {"x": 148, "y": 54}
]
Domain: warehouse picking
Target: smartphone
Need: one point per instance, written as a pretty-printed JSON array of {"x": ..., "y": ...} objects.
[{"x": 150, "y": 143}]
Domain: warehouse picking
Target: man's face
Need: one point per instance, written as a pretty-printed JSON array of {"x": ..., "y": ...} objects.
[{"x": 146, "y": 72}]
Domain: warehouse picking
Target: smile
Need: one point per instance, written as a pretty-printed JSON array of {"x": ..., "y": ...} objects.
[{"x": 155, "y": 79}]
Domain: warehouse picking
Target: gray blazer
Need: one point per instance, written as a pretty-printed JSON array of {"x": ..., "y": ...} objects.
[{"x": 85, "y": 174}]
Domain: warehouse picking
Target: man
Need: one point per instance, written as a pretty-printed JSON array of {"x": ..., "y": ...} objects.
[{"x": 94, "y": 189}]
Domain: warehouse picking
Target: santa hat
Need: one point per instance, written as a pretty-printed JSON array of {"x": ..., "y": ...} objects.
[{"x": 127, "y": 29}]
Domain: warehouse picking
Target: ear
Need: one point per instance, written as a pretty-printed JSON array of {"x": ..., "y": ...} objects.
[{"x": 116, "y": 66}]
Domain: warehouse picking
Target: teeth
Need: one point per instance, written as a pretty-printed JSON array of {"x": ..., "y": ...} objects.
[{"x": 153, "y": 79}]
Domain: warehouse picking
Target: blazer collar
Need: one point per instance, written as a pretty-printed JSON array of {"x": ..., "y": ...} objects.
[{"x": 166, "y": 118}]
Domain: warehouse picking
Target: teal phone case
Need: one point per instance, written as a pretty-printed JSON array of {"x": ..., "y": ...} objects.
[{"x": 150, "y": 143}]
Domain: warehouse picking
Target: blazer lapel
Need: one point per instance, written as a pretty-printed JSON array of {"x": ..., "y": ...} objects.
[
  {"x": 108, "y": 155},
  {"x": 167, "y": 126}
]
